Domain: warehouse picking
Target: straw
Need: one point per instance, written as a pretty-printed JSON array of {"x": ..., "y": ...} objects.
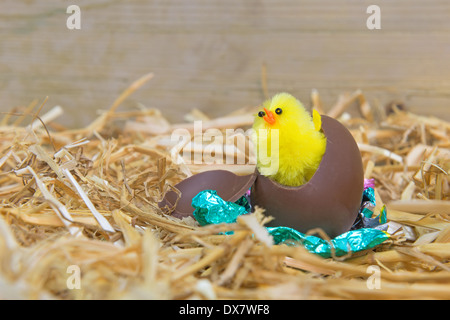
[{"x": 87, "y": 200}]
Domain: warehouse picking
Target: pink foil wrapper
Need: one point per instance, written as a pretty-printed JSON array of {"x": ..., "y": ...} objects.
[{"x": 369, "y": 183}]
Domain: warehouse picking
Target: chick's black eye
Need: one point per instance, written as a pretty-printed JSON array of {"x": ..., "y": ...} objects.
[
  {"x": 278, "y": 111},
  {"x": 261, "y": 114}
]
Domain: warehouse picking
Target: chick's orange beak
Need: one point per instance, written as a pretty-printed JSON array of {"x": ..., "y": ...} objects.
[{"x": 269, "y": 117}]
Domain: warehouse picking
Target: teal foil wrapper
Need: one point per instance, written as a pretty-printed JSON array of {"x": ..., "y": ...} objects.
[
  {"x": 212, "y": 209},
  {"x": 366, "y": 218},
  {"x": 369, "y": 195},
  {"x": 351, "y": 241}
]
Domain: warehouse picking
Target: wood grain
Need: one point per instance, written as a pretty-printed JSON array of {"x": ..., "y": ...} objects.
[{"x": 209, "y": 54}]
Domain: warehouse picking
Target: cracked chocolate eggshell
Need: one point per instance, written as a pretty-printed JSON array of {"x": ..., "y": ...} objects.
[
  {"x": 330, "y": 200},
  {"x": 229, "y": 187}
]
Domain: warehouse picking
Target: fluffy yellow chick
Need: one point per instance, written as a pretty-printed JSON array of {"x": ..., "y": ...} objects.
[{"x": 293, "y": 136}]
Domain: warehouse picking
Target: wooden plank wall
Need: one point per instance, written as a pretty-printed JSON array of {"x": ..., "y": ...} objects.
[{"x": 208, "y": 54}]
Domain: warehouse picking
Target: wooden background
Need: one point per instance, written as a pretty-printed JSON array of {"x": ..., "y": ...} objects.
[{"x": 208, "y": 54}]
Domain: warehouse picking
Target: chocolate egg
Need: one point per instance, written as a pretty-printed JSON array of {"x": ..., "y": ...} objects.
[
  {"x": 330, "y": 199},
  {"x": 229, "y": 187}
]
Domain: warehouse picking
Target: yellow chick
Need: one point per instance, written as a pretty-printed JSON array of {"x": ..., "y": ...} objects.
[{"x": 291, "y": 134}]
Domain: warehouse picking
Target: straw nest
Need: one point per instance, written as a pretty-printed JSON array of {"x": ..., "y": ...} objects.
[{"x": 80, "y": 220}]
